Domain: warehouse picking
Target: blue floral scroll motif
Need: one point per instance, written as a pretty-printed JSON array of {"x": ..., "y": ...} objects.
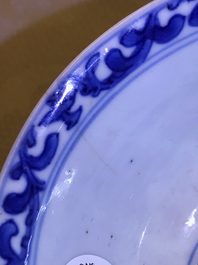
[
  {"x": 28, "y": 200},
  {"x": 61, "y": 103},
  {"x": 193, "y": 18}
]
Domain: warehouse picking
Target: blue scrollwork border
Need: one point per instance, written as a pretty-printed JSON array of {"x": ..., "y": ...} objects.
[{"x": 61, "y": 103}]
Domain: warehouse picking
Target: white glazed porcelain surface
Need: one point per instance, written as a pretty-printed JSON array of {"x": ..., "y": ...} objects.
[{"x": 107, "y": 163}]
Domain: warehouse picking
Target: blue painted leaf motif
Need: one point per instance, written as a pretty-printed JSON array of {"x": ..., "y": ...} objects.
[
  {"x": 16, "y": 203},
  {"x": 165, "y": 34},
  {"x": 33, "y": 209},
  {"x": 193, "y": 18},
  {"x": 29, "y": 141},
  {"x": 92, "y": 63},
  {"x": 61, "y": 103},
  {"x": 7, "y": 231},
  {"x": 71, "y": 119},
  {"x": 117, "y": 62},
  {"x": 44, "y": 159},
  {"x": 89, "y": 84},
  {"x": 31, "y": 137},
  {"x": 17, "y": 171},
  {"x": 60, "y": 114},
  {"x": 62, "y": 95},
  {"x": 174, "y": 4},
  {"x": 134, "y": 37}
]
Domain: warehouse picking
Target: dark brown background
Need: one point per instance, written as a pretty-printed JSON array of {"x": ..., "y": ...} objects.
[{"x": 35, "y": 46}]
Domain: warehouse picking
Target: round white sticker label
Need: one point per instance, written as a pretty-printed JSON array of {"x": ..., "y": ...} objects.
[{"x": 88, "y": 260}]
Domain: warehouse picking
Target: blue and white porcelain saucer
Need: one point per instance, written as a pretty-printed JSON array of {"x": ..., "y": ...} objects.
[{"x": 105, "y": 171}]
